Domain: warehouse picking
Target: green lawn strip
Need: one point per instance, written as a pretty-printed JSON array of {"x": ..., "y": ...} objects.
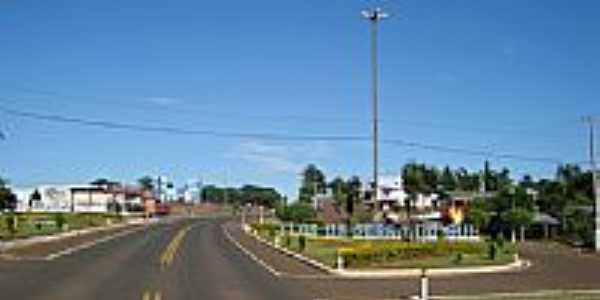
[{"x": 39, "y": 224}]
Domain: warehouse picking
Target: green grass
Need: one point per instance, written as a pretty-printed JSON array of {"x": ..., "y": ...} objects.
[
  {"x": 37, "y": 224},
  {"x": 325, "y": 251},
  {"x": 316, "y": 249}
]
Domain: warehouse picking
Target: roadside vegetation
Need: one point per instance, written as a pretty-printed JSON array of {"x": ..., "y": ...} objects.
[
  {"x": 24, "y": 225},
  {"x": 508, "y": 209},
  {"x": 392, "y": 254}
]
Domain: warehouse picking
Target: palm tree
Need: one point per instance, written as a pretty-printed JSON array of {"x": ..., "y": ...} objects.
[{"x": 146, "y": 182}]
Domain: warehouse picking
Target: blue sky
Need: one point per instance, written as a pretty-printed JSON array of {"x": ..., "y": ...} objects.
[{"x": 508, "y": 76}]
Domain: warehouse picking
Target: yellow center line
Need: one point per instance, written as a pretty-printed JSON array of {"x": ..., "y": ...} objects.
[
  {"x": 148, "y": 296},
  {"x": 168, "y": 255}
]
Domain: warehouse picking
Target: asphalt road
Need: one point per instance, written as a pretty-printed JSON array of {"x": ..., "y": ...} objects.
[
  {"x": 203, "y": 265},
  {"x": 193, "y": 259}
]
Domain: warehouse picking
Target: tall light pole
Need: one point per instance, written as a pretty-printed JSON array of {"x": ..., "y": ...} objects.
[
  {"x": 596, "y": 184},
  {"x": 374, "y": 15}
]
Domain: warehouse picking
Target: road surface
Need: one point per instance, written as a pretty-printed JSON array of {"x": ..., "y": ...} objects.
[
  {"x": 149, "y": 265},
  {"x": 194, "y": 259}
]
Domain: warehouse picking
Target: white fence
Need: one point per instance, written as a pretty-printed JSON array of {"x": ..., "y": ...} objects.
[{"x": 424, "y": 231}]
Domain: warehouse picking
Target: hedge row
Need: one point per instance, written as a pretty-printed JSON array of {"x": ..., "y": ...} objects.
[
  {"x": 380, "y": 252},
  {"x": 266, "y": 229}
]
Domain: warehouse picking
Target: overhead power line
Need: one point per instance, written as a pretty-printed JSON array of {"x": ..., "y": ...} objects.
[
  {"x": 534, "y": 132},
  {"x": 470, "y": 152},
  {"x": 173, "y": 130},
  {"x": 265, "y": 136}
]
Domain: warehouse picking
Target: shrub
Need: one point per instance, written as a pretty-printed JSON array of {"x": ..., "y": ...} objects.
[
  {"x": 11, "y": 224},
  {"x": 60, "y": 220},
  {"x": 266, "y": 229},
  {"x": 457, "y": 258},
  {"x": 301, "y": 243},
  {"x": 365, "y": 253},
  {"x": 287, "y": 241},
  {"x": 492, "y": 251}
]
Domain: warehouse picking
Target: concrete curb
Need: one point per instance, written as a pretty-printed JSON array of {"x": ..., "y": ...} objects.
[
  {"x": 517, "y": 265},
  {"x": 540, "y": 294}
]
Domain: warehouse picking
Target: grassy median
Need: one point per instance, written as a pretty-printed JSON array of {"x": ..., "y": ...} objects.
[{"x": 381, "y": 254}]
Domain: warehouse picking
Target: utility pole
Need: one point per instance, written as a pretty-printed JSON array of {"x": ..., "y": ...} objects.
[
  {"x": 226, "y": 194},
  {"x": 159, "y": 188},
  {"x": 374, "y": 15},
  {"x": 315, "y": 192},
  {"x": 591, "y": 121}
]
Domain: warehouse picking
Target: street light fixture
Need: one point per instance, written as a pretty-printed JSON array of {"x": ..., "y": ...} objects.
[{"x": 374, "y": 15}]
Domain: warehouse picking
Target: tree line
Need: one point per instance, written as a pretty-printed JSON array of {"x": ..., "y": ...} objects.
[
  {"x": 252, "y": 194},
  {"x": 508, "y": 205}
]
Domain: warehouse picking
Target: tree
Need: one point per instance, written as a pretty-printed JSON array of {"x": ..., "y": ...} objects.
[
  {"x": 146, "y": 183},
  {"x": 414, "y": 183},
  {"x": 504, "y": 180},
  {"x": 478, "y": 214},
  {"x": 297, "y": 212},
  {"x": 354, "y": 186},
  {"x": 527, "y": 182},
  {"x": 417, "y": 179},
  {"x": 313, "y": 182},
  {"x": 517, "y": 218},
  {"x": 213, "y": 194},
  {"x": 265, "y": 196},
  {"x": 580, "y": 227},
  {"x": 35, "y": 197},
  {"x": 8, "y": 200},
  {"x": 237, "y": 197},
  {"x": 340, "y": 190},
  {"x": 102, "y": 182},
  {"x": 466, "y": 181},
  {"x": 447, "y": 179}
]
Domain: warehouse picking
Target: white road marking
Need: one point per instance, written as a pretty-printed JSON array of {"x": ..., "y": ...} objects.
[
  {"x": 90, "y": 244},
  {"x": 251, "y": 255}
]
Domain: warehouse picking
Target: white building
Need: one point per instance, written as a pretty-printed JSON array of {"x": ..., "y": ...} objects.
[
  {"x": 391, "y": 194},
  {"x": 191, "y": 192},
  {"x": 165, "y": 189},
  {"x": 67, "y": 198}
]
